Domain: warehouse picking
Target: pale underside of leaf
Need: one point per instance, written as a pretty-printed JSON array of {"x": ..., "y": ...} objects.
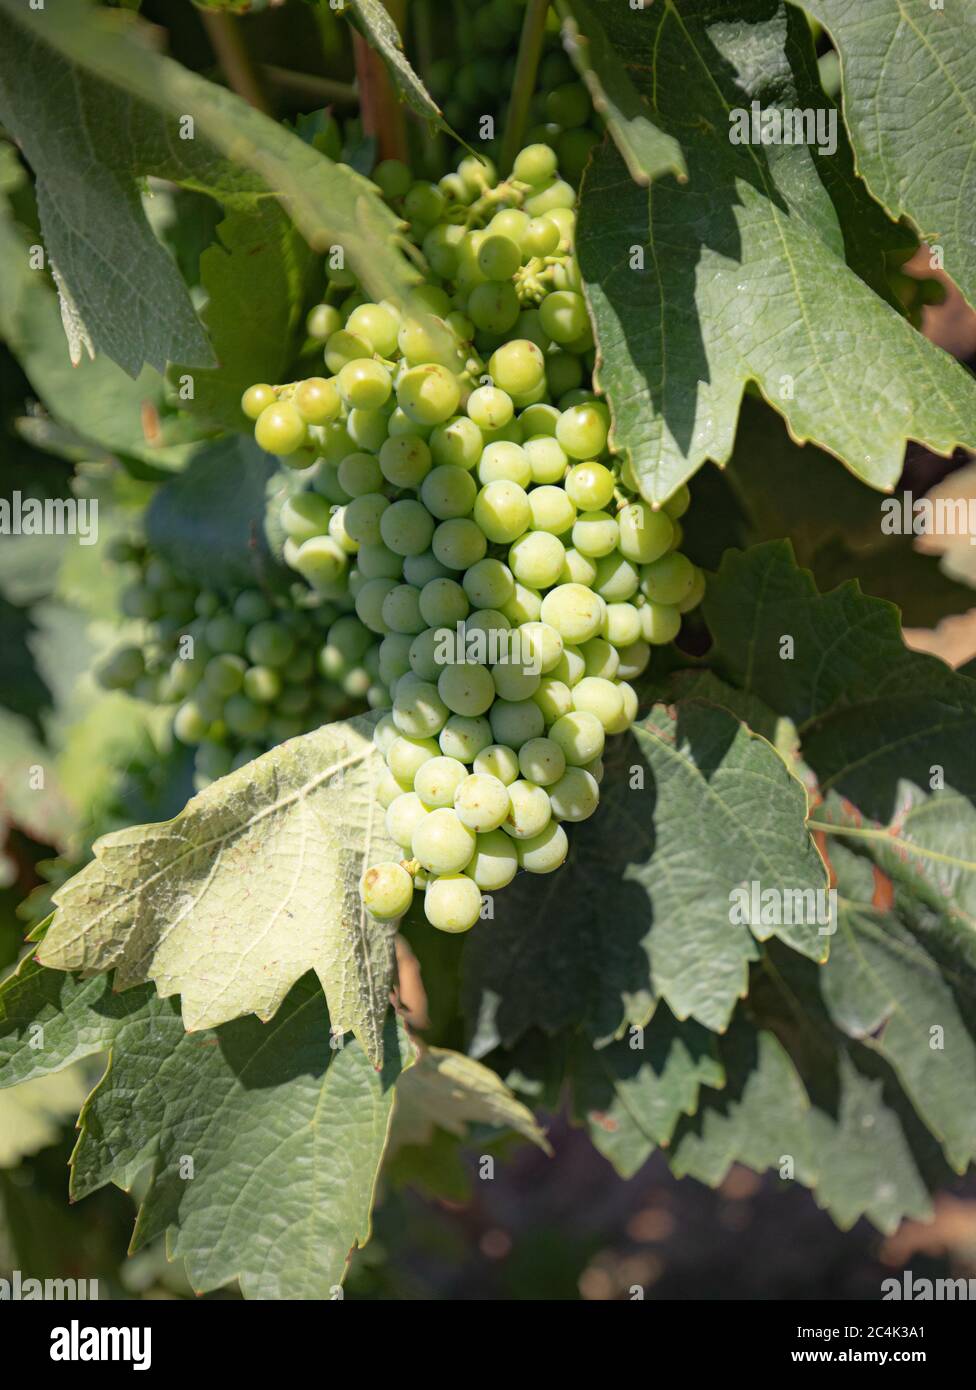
[
  {"x": 452, "y": 1091},
  {"x": 254, "y": 883}
]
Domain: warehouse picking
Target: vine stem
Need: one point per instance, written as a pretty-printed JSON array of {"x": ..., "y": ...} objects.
[
  {"x": 523, "y": 84},
  {"x": 227, "y": 42},
  {"x": 379, "y": 105}
]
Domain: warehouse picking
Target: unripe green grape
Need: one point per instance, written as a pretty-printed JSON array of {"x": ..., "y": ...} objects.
[
  {"x": 502, "y": 511},
  {"x": 407, "y": 528},
  {"x": 489, "y": 583},
  {"x": 529, "y": 811},
  {"x": 565, "y": 220},
  {"x": 376, "y": 325},
  {"x": 212, "y": 760},
  {"x": 514, "y": 679},
  {"x": 601, "y": 697},
  {"x": 394, "y": 656},
  {"x": 387, "y": 891},
  {"x": 645, "y": 535},
  {"x": 468, "y": 690},
  {"x": 595, "y": 534},
  {"x": 244, "y": 717},
  {"x": 369, "y": 604},
  {"x": 575, "y": 612},
  {"x": 622, "y": 625},
  {"x": 558, "y": 194},
  {"x": 401, "y": 610},
  {"x": 537, "y": 559},
  {"x": 545, "y": 852},
  {"x": 421, "y": 569},
  {"x": 256, "y": 399},
  {"x": 367, "y": 429},
  {"x": 495, "y": 862},
  {"x": 359, "y": 474},
  {"x": 458, "y": 442},
  {"x": 325, "y": 480},
  {"x": 251, "y": 606},
  {"x": 668, "y": 580},
  {"x": 515, "y": 722},
  {"x": 564, "y": 315},
  {"x": 678, "y": 504},
  {"x": 403, "y": 815},
  {"x": 363, "y": 516},
  {"x": 564, "y": 372},
  {"x": 504, "y": 461},
  {"x": 343, "y": 347},
  {"x": 582, "y": 432},
  {"x": 442, "y": 842},
  {"x": 294, "y": 700},
  {"x": 499, "y": 257},
  {"x": 463, "y": 737},
  {"x": 364, "y": 384},
  {"x": 542, "y": 643},
  {"x": 392, "y": 177},
  {"x": 224, "y": 674},
  {"x": 378, "y": 562},
  {"x": 540, "y": 237},
  {"x": 525, "y": 605},
  {"x": 494, "y": 307},
  {"x": 123, "y": 668},
  {"x": 321, "y": 561},
  {"x": 440, "y": 246},
  {"x": 425, "y": 203},
  {"x": 497, "y": 761},
  {"x": 489, "y": 407},
  {"x": 487, "y": 620},
  {"x": 660, "y": 623},
  {"x": 510, "y": 222},
  {"x": 535, "y": 165},
  {"x": 407, "y": 755},
  {"x": 616, "y": 580},
  {"x": 207, "y": 604},
  {"x": 261, "y": 684},
  {"x": 398, "y": 422},
  {"x": 448, "y": 492},
  {"x": 590, "y": 486},
  {"x": 481, "y": 802},
  {"x": 580, "y": 735},
  {"x": 387, "y": 789},
  {"x": 459, "y": 543},
  {"x": 418, "y": 709},
  {"x": 405, "y": 460},
  {"x": 571, "y": 667},
  {"x": 554, "y": 699},
  {"x": 508, "y": 434},
  {"x": 269, "y": 644},
  {"x": 225, "y": 634},
  {"x": 552, "y": 510},
  {"x": 633, "y": 659},
  {"x": 322, "y": 321},
  {"x": 695, "y": 595},
  {"x": 542, "y": 761},
  {"x": 517, "y": 366},
  {"x": 317, "y": 400},
  {"x": 547, "y": 462},
  {"x": 338, "y": 532},
  {"x": 350, "y": 638},
  {"x": 427, "y": 339},
  {"x": 437, "y": 781},
  {"x": 452, "y": 902},
  {"x": 575, "y": 796},
  {"x": 280, "y": 429},
  {"x": 424, "y": 654},
  {"x": 428, "y": 393},
  {"x": 628, "y": 712},
  {"x": 443, "y": 603},
  {"x": 539, "y": 422},
  {"x": 601, "y": 658}
]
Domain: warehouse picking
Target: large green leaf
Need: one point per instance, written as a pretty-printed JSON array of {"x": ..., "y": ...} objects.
[
  {"x": 254, "y": 883},
  {"x": 909, "y": 106},
  {"x": 746, "y": 276},
  {"x": 693, "y": 805},
  {"x": 889, "y": 733},
  {"x": 632, "y": 1093},
  {"x": 262, "y": 1142},
  {"x": 378, "y": 27},
  {"x": 128, "y": 300},
  {"x": 33, "y": 1114}
]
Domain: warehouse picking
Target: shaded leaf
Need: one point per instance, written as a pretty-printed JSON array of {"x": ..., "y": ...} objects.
[
  {"x": 450, "y": 1091},
  {"x": 379, "y": 28}
]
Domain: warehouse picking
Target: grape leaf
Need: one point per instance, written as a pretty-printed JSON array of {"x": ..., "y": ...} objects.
[
  {"x": 630, "y": 1098},
  {"x": 285, "y": 1133},
  {"x": 378, "y": 27},
  {"x": 32, "y": 1114},
  {"x": 450, "y": 1091},
  {"x": 888, "y": 732},
  {"x": 745, "y": 275},
  {"x": 908, "y": 104},
  {"x": 257, "y": 276},
  {"x": 254, "y": 883},
  {"x": 647, "y": 150},
  {"x": 693, "y": 805},
  {"x": 130, "y": 296}
]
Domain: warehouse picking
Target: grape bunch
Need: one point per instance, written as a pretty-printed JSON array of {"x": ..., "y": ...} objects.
[
  {"x": 242, "y": 672},
  {"x": 461, "y": 495}
]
